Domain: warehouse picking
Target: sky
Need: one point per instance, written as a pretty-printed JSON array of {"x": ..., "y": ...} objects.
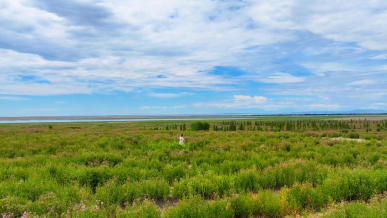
[{"x": 153, "y": 57}]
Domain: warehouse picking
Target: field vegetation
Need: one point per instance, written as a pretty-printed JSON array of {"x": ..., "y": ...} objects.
[{"x": 234, "y": 168}]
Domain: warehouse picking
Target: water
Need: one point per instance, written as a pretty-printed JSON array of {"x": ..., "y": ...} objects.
[{"x": 119, "y": 120}]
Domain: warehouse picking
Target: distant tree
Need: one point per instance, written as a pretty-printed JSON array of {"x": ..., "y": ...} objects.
[
  {"x": 232, "y": 127},
  {"x": 200, "y": 126},
  {"x": 354, "y": 135}
]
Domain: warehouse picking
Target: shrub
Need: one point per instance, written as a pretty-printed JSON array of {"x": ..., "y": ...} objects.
[
  {"x": 356, "y": 185},
  {"x": 15, "y": 206},
  {"x": 187, "y": 208},
  {"x": 242, "y": 206},
  {"x": 146, "y": 209},
  {"x": 374, "y": 158},
  {"x": 197, "y": 145},
  {"x": 208, "y": 186},
  {"x": 59, "y": 173},
  {"x": 287, "y": 174},
  {"x": 96, "y": 159},
  {"x": 48, "y": 204},
  {"x": 247, "y": 181},
  {"x": 200, "y": 126},
  {"x": 300, "y": 197},
  {"x": 111, "y": 193},
  {"x": 155, "y": 189},
  {"x": 92, "y": 178},
  {"x": 220, "y": 208},
  {"x": 267, "y": 203},
  {"x": 174, "y": 173},
  {"x": 353, "y": 135},
  {"x": 376, "y": 209},
  {"x": 197, "y": 207}
]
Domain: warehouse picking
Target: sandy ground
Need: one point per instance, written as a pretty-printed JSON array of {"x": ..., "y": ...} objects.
[{"x": 347, "y": 139}]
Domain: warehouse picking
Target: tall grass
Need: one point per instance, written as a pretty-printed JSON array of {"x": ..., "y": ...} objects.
[{"x": 235, "y": 169}]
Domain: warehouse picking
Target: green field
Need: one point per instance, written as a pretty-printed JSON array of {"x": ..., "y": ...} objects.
[{"x": 271, "y": 167}]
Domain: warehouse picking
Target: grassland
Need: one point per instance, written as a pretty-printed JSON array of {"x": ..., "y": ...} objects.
[{"x": 261, "y": 168}]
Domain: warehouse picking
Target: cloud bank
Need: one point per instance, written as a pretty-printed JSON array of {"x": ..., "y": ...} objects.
[{"x": 334, "y": 52}]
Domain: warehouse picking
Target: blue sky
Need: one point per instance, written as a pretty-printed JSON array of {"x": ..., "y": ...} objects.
[{"x": 113, "y": 57}]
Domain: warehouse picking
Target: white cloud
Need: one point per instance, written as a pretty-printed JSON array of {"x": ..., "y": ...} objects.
[
  {"x": 346, "y": 21},
  {"x": 362, "y": 82},
  {"x": 246, "y": 99},
  {"x": 44, "y": 89},
  {"x": 282, "y": 78},
  {"x": 13, "y": 98},
  {"x": 175, "y": 43},
  {"x": 324, "y": 106},
  {"x": 320, "y": 69},
  {"x": 171, "y": 38},
  {"x": 164, "y": 108},
  {"x": 169, "y": 95},
  {"x": 238, "y": 101},
  {"x": 380, "y": 57},
  {"x": 378, "y": 105}
]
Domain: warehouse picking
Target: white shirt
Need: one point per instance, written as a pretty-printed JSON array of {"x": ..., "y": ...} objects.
[{"x": 181, "y": 140}]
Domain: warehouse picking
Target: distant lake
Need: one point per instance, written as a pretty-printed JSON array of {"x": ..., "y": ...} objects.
[{"x": 119, "y": 120}]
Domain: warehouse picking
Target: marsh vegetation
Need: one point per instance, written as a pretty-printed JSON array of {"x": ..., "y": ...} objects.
[{"x": 238, "y": 168}]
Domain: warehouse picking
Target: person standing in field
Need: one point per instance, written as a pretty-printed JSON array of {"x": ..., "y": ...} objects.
[{"x": 181, "y": 139}]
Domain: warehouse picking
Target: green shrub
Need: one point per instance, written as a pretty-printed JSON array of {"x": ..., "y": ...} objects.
[
  {"x": 174, "y": 173},
  {"x": 375, "y": 209},
  {"x": 60, "y": 173},
  {"x": 242, "y": 206},
  {"x": 200, "y": 126},
  {"x": 374, "y": 158},
  {"x": 193, "y": 146},
  {"x": 300, "y": 197},
  {"x": 197, "y": 207},
  {"x": 287, "y": 174},
  {"x": 112, "y": 193},
  {"x": 13, "y": 205},
  {"x": 88, "y": 211},
  {"x": 146, "y": 209},
  {"x": 219, "y": 208},
  {"x": 356, "y": 185},
  {"x": 31, "y": 189},
  {"x": 353, "y": 135},
  {"x": 247, "y": 181},
  {"x": 230, "y": 167},
  {"x": 93, "y": 178},
  {"x": 208, "y": 186},
  {"x": 48, "y": 204},
  {"x": 96, "y": 159},
  {"x": 267, "y": 203},
  {"x": 131, "y": 192},
  {"x": 155, "y": 189},
  {"x": 189, "y": 208}
]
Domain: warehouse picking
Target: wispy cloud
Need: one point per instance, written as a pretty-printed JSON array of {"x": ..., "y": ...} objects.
[
  {"x": 168, "y": 95},
  {"x": 378, "y": 105},
  {"x": 238, "y": 101},
  {"x": 324, "y": 106},
  {"x": 276, "y": 48},
  {"x": 163, "y": 108},
  {"x": 282, "y": 78},
  {"x": 13, "y": 98},
  {"x": 181, "y": 41},
  {"x": 361, "y": 82},
  {"x": 246, "y": 99}
]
